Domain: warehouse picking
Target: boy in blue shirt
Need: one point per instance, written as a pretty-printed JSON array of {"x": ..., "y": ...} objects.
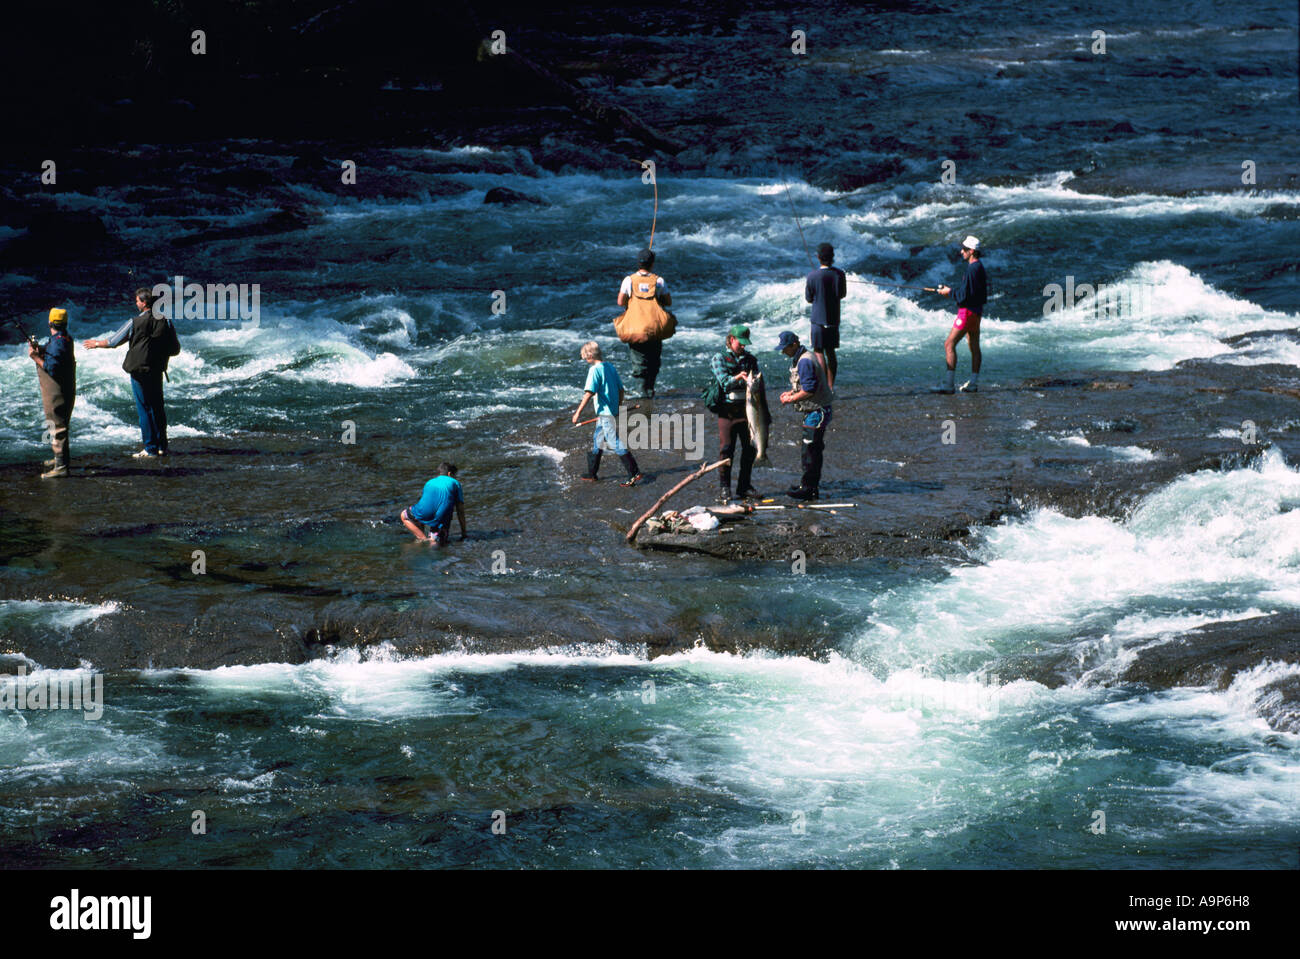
[
  {"x": 603, "y": 384},
  {"x": 434, "y": 508}
]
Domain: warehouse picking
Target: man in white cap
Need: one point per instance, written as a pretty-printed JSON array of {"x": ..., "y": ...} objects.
[{"x": 971, "y": 297}]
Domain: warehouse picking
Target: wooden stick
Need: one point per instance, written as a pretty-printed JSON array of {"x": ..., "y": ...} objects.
[
  {"x": 631, "y": 534},
  {"x": 634, "y": 406}
]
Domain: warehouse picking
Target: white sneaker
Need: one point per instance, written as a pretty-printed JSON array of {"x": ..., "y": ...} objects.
[
  {"x": 143, "y": 454},
  {"x": 969, "y": 387}
]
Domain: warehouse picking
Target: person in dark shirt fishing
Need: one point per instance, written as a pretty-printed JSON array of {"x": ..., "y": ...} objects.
[
  {"x": 824, "y": 287},
  {"x": 971, "y": 297},
  {"x": 56, "y": 367}
]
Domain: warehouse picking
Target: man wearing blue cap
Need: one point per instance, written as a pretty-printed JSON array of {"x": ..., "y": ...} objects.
[{"x": 810, "y": 394}]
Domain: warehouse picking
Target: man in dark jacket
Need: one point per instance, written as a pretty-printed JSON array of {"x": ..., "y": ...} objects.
[
  {"x": 57, "y": 372},
  {"x": 971, "y": 297},
  {"x": 146, "y": 361}
]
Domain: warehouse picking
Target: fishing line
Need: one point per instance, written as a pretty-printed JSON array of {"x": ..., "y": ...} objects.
[
  {"x": 654, "y": 181},
  {"x": 795, "y": 213}
]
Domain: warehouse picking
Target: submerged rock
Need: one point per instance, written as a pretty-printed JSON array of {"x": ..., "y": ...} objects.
[{"x": 508, "y": 197}]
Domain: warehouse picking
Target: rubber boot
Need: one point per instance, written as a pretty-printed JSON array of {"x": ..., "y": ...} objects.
[
  {"x": 593, "y": 464},
  {"x": 58, "y": 471},
  {"x": 633, "y": 473}
]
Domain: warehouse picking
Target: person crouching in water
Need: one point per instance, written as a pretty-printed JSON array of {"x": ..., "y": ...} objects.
[
  {"x": 434, "y": 508},
  {"x": 603, "y": 384},
  {"x": 57, "y": 373}
]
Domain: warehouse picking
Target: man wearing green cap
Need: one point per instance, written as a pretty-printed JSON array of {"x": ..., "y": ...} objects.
[
  {"x": 732, "y": 369},
  {"x": 56, "y": 370}
]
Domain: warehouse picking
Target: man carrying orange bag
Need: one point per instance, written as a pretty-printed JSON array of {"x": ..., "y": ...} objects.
[{"x": 645, "y": 324}]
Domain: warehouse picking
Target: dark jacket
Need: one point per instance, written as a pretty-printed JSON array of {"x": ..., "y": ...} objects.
[
  {"x": 974, "y": 290},
  {"x": 60, "y": 362},
  {"x": 146, "y": 351}
]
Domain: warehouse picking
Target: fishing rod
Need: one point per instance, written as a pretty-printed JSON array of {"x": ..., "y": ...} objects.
[
  {"x": 654, "y": 220},
  {"x": 810, "y": 506},
  {"x": 25, "y": 332},
  {"x": 901, "y": 286},
  {"x": 786, "y": 186},
  {"x": 795, "y": 213},
  {"x": 868, "y": 282}
]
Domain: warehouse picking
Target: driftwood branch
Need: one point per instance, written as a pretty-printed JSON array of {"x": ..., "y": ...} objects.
[{"x": 631, "y": 534}]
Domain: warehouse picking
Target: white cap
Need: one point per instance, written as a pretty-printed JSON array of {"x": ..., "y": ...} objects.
[{"x": 970, "y": 243}]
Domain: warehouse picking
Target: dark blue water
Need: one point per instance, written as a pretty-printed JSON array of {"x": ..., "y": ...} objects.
[{"x": 899, "y": 749}]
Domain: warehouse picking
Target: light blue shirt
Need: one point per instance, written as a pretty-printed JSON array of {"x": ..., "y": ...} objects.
[{"x": 603, "y": 381}]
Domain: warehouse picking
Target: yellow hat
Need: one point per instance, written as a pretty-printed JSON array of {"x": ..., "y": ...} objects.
[{"x": 58, "y": 317}]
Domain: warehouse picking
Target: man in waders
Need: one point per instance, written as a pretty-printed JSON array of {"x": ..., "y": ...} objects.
[
  {"x": 56, "y": 370},
  {"x": 971, "y": 297},
  {"x": 810, "y": 394},
  {"x": 645, "y": 324},
  {"x": 603, "y": 385},
  {"x": 824, "y": 287},
  {"x": 732, "y": 369}
]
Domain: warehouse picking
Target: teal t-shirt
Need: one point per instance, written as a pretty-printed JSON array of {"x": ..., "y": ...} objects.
[
  {"x": 440, "y": 495},
  {"x": 603, "y": 381}
]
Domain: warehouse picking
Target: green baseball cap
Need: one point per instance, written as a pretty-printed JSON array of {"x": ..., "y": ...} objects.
[{"x": 740, "y": 332}]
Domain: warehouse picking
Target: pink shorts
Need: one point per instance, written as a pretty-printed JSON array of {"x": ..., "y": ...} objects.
[{"x": 965, "y": 317}]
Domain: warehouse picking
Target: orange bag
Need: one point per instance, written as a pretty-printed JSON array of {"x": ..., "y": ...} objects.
[{"x": 645, "y": 320}]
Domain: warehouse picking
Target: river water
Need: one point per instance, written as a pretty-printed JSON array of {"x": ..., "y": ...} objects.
[{"x": 896, "y": 748}]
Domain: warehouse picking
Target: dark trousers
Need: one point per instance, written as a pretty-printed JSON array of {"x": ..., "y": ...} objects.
[
  {"x": 814, "y": 443},
  {"x": 645, "y": 362},
  {"x": 729, "y": 431},
  {"x": 57, "y": 404},
  {"x": 148, "y": 391}
]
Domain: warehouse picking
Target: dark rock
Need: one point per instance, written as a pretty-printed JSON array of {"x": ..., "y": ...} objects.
[
  {"x": 845, "y": 177},
  {"x": 508, "y": 197},
  {"x": 55, "y": 235}
]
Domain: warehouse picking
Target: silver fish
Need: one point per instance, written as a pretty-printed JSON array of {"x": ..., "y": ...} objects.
[{"x": 760, "y": 419}]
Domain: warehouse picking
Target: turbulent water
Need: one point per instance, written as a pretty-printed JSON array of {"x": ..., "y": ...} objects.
[{"x": 902, "y": 747}]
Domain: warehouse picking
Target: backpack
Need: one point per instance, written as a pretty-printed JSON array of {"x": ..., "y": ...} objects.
[
  {"x": 715, "y": 399},
  {"x": 163, "y": 342},
  {"x": 645, "y": 321},
  {"x": 171, "y": 340}
]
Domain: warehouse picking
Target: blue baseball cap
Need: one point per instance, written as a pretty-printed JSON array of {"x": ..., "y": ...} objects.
[{"x": 787, "y": 339}]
